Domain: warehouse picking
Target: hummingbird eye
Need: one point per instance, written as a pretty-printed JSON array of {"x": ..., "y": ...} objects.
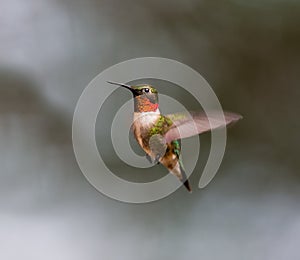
[{"x": 146, "y": 90}]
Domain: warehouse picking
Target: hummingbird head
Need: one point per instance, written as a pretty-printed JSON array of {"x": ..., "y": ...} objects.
[{"x": 145, "y": 97}]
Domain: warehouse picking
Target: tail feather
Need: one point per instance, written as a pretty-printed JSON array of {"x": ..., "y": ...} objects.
[
  {"x": 187, "y": 185},
  {"x": 184, "y": 179}
]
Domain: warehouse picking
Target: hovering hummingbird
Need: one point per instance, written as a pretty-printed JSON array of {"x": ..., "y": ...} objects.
[{"x": 159, "y": 135}]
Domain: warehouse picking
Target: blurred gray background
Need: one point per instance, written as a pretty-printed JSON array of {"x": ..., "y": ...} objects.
[{"x": 249, "y": 52}]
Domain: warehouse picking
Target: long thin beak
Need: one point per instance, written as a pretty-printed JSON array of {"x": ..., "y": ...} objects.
[{"x": 120, "y": 84}]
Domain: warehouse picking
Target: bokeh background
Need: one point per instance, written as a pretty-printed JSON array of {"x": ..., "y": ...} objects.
[{"x": 249, "y": 52}]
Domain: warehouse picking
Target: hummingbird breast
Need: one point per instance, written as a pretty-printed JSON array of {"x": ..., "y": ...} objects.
[{"x": 142, "y": 125}]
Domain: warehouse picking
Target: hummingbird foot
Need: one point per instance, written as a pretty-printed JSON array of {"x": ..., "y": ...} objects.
[
  {"x": 148, "y": 157},
  {"x": 156, "y": 160}
]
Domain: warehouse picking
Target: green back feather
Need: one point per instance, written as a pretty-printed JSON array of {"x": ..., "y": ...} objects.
[{"x": 161, "y": 126}]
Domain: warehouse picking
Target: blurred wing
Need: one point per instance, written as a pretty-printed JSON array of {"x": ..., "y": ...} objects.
[
  {"x": 157, "y": 146},
  {"x": 187, "y": 124}
]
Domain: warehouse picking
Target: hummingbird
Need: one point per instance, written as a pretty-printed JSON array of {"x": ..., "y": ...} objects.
[{"x": 160, "y": 135}]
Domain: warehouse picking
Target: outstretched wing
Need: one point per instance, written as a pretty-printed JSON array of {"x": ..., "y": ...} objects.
[{"x": 188, "y": 124}]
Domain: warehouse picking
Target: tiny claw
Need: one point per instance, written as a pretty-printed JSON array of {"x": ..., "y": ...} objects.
[
  {"x": 156, "y": 160},
  {"x": 148, "y": 157}
]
